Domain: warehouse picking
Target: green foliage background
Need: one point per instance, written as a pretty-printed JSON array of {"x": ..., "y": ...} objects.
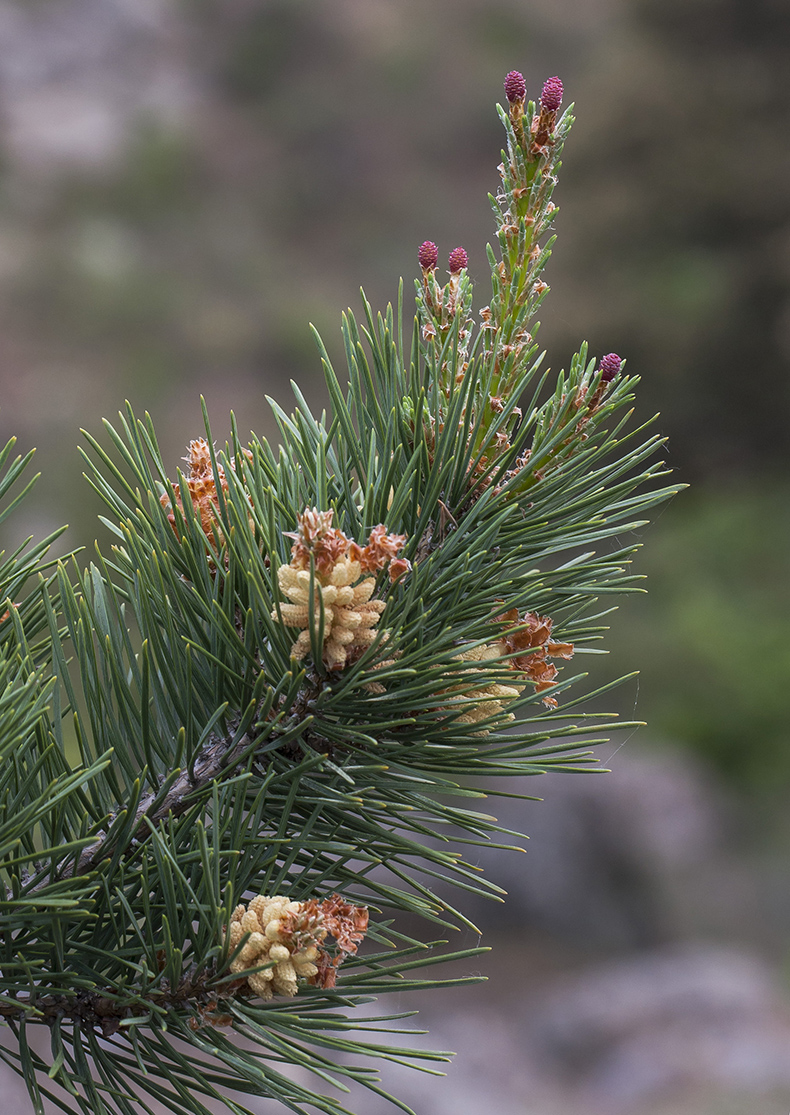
[{"x": 713, "y": 632}]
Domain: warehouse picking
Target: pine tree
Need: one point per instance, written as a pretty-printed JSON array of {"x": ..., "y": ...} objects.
[{"x": 240, "y": 745}]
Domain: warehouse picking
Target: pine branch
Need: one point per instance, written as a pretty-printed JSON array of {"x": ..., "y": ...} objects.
[{"x": 233, "y": 747}]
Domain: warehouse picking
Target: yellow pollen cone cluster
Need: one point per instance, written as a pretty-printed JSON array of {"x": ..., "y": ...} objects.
[
  {"x": 492, "y": 698},
  {"x": 350, "y": 616},
  {"x": 264, "y": 919}
]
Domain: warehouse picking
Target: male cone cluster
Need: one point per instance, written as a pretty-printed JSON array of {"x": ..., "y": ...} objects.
[
  {"x": 341, "y": 593},
  {"x": 287, "y": 939}
]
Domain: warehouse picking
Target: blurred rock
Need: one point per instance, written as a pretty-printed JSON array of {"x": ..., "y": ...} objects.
[
  {"x": 690, "y": 1030},
  {"x": 631, "y": 858},
  {"x": 662, "y": 1023},
  {"x": 77, "y": 75}
]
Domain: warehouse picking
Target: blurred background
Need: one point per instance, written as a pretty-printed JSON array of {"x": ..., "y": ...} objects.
[{"x": 185, "y": 185}]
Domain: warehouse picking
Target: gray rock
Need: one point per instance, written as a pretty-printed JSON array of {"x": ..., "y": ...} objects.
[
  {"x": 664, "y": 1023},
  {"x": 77, "y": 76},
  {"x": 630, "y": 858}
]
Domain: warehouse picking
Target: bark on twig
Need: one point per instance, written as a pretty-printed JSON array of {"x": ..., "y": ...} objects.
[{"x": 217, "y": 756}]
